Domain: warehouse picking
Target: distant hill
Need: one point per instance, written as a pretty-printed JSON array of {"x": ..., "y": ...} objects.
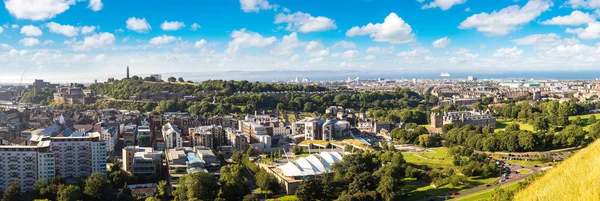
[{"x": 577, "y": 178}]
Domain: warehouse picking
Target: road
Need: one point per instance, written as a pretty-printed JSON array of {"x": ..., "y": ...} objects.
[{"x": 513, "y": 178}]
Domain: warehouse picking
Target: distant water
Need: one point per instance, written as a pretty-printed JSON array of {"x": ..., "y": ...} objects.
[{"x": 343, "y": 75}]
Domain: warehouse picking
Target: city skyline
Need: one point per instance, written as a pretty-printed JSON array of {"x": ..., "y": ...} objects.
[{"x": 86, "y": 40}]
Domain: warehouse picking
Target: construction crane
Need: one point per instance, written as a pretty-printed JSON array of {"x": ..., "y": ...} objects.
[
  {"x": 22, "y": 91},
  {"x": 22, "y": 76}
]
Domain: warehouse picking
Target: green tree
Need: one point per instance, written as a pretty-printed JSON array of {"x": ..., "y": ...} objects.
[
  {"x": 69, "y": 193},
  {"x": 95, "y": 186},
  {"x": 163, "y": 187},
  {"x": 592, "y": 119},
  {"x": 594, "y": 132},
  {"x": 232, "y": 182},
  {"x": 196, "y": 186},
  {"x": 577, "y": 120},
  {"x": 513, "y": 127},
  {"x": 268, "y": 182},
  {"x": 310, "y": 190},
  {"x": 13, "y": 192},
  {"x": 151, "y": 199},
  {"x": 500, "y": 194},
  {"x": 250, "y": 197},
  {"x": 541, "y": 123},
  {"x": 180, "y": 79},
  {"x": 424, "y": 140},
  {"x": 172, "y": 79}
]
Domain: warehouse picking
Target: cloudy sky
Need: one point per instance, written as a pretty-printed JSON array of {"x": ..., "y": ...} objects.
[{"x": 84, "y": 40}]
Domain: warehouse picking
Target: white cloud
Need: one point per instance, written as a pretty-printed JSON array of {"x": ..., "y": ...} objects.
[
  {"x": 347, "y": 54},
  {"x": 163, "y": 40},
  {"x": 462, "y": 55},
  {"x": 88, "y": 29},
  {"x": 316, "y": 49},
  {"x": 507, "y": 19},
  {"x": 441, "y": 43},
  {"x": 195, "y": 27},
  {"x": 200, "y": 43},
  {"x": 171, "y": 26},
  {"x": 592, "y": 31},
  {"x": 96, "y": 41},
  {"x": 287, "y": 45},
  {"x": 468, "y": 9},
  {"x": 249, "y": 6},
  {"x": 544, "y": 42},
  {"x": 80, "y": 57},
  {"x": 138, "y": 25},
  {"x": 66, "y": 30},
  {"x": 244, "y": 39},
  {"x": 96, "y": 5},
  {"x": 1, "y": 29},
  {"x": 370, "y": 57},
  {"x": 393, "y": 30},
  {"x": 588, "y": 4},
  {"x": 31, "y": 30},
  {"x": 575, "y": 18},
  {"x": 6, "y": 46},
  {"x": 14, "y": 26},
  {"x": 513, "y": 52},
  {"x": 344, "y": 44},
  {"x": 304, "y": 22},
  {"x": 414, "y": 52},
  {"x": 14, "y": 53},
  {"x": 100, "y": 57},
  {"x": 48, "y": 42},
  {"x": 381, "y": 50},
  {"x": 295, "y": 57},
  {"x": 443, "y": 4},
  {"x": 29, "y": 41},
  {"x": 316, "y": 60},
  {"x": 37, "y": 9}
]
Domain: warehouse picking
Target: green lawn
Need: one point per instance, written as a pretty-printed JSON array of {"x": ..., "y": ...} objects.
[
  {"x": 584, "y": 119},
  {"x": 526, "y": 171},
  {"x": 502, "y": 123},
  {"x": 437, "y": 157},
  {"x": 422, "y": 191},
  {"x": 284, "y": 198},
  {"x": 483, "y": 195}
]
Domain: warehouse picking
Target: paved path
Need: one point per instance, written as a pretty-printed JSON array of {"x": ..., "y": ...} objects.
[{"x": 517, "y": 178}]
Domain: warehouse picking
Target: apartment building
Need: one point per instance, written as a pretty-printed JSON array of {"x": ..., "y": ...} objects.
[
  {"x": 141, "y": 160},
  {"x": 187, "y": 160},
  {"x": 27, "y": 164},
  {"x": 129, "y": 134},
  {"x": 238, "y": 140},
  {"x": 172, "y": 136},
  {"x": 144, "y": 136},
  {"x": 307, "y": 129},
  {"x": 79, "y": 155},
  {"x": 252, "y": 129}
]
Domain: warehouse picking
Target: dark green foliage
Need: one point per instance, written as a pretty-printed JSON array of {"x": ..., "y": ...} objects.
[
  {"x": 69, "y": 193},
  {"x": 13, "y": 192},
  {"x": 197, "y": 186},
  {"x": 232, "y": 182},
  {"x": 96, "y": 187}
]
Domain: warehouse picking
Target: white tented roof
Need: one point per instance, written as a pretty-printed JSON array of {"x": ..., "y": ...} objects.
[{"x": 312, "y": 165}]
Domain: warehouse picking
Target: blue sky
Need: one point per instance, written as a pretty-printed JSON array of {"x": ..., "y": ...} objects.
[{"x": 85, "y": 40}]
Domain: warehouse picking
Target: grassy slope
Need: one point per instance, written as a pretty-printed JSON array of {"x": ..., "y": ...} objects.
[
  {"x": 574, "y": 179},
  {"x": 484, "y": 195},
  {"x": 502, "y": 123},
  {"x": 585, "y": 118}
]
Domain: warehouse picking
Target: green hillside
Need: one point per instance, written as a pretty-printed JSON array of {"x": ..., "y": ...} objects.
[{"x": 577, "y": 178}]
